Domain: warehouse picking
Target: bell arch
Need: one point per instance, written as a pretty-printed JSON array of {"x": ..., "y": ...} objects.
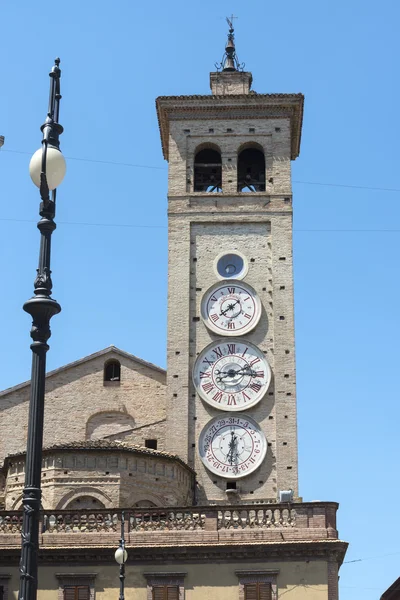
[
  {"x": 207, "y": 169},
  {"x": 251, "y": 168}
]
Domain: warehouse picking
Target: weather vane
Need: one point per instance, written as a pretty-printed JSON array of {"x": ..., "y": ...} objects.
[{"x": 229, "y": 20}]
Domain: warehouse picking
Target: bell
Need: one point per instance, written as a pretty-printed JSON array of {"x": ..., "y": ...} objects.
[{"x": 229, "y": 64}]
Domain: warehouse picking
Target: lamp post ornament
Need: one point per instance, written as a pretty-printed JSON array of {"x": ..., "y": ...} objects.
[{"x": 47, "y": 169}]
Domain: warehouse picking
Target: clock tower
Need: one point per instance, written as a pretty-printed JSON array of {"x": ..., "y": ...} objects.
[{"x": 231, "y": 389}]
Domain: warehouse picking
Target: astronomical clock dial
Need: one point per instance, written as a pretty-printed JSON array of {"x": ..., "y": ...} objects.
[
  {"x": 233, "y": 446},
  {"x": 231, "y": 308},
  {"x": 231, "y": 374}
]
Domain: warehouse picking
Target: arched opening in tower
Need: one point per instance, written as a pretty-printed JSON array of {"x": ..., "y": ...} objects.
[
  {"x": 208, "y": 171},
  {"x": 251, "y": 170}
]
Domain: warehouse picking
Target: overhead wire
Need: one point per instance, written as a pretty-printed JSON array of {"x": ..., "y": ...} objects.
[
  {"x": 138, "y": 166},
  {"x": 145, "y": 226}
]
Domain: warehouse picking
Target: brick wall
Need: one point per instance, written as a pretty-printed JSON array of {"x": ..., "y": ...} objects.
[
  {"x": 259, "y": 225},
  {"x": 133, "y": 409}
]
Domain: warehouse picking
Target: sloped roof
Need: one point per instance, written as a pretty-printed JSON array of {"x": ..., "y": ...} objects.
[
  {"x": 393, "y": 592},
  {"x": 109, "y": 350}
]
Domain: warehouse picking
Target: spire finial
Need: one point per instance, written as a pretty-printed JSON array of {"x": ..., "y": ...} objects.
[{"x": 230, "y": 61}]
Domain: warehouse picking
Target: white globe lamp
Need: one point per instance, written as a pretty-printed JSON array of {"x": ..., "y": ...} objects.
[
  {"x": 55, "y": 167},
  {"x": 121, "y": 556}
]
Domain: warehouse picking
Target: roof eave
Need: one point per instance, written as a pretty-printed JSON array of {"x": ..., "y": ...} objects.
[{"x": 168, "y": 105}]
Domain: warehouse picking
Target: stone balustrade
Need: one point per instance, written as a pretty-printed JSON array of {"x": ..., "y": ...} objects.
[{"x": 199, "y": 524}]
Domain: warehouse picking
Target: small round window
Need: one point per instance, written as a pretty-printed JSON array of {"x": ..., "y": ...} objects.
[{"x": 231, "y": 266}]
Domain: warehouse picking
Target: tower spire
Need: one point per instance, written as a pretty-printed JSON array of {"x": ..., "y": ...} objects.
[{"x": 230, "y": 61}]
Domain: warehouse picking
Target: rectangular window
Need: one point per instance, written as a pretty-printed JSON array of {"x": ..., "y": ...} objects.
[
  {"x": 151, "y": 444},
  {"x": 165, "y": 592},
  {"x": 257, "y": 591},
  {"x": 2, "y": 592},
  {"x": 76, "y": 592}
]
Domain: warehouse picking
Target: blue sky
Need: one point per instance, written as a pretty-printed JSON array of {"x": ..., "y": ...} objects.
[{"x": 110, "y": 247}]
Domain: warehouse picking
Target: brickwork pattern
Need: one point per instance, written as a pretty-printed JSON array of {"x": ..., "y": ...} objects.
[
  {"x": 259, "y": 225},
  {"x": 77, "y": 395},
  {"x": 108, "y": 478}
]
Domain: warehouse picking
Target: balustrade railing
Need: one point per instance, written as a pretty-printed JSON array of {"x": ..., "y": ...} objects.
[
  {"x": 256, "y": 518},
  {"x": 182, "y": 519},
  {"x": 80, "y": 522},
  {"x": 208, "y": 518},
  {"x": 10, "y": 522}
]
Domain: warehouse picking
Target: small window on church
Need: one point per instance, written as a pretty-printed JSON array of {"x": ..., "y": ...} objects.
[
  {"x": 208, "y": 171},
  {"x": 112, "y": 371},
  {"x": 251, "y": 170},
  {"x": 151, "y": 444}
]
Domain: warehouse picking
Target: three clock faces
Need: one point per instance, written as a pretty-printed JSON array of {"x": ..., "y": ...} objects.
[{"x": 231, "y": 374}]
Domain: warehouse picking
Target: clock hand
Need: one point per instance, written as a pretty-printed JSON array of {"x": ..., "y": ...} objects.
[
  {"x": 247, "y": 371},
  {"x": 223, "y": 374},
  {"x": 232, "y": 449},
  {"x": 230, "y": 307}
]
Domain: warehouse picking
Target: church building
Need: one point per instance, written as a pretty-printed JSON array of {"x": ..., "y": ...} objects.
[{"x": 201, "y": 458}]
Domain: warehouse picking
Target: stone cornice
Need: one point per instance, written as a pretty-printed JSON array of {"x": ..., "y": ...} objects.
[
  {"x": 330, "y": 550},
  {"x": 240, "y": 106},
  {"x": 75, "y": 575}
]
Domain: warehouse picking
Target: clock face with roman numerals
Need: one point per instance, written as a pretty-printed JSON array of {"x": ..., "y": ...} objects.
[
  {"x": 231, "y": 308},
  {"x": 231, "y": 374},
  {"x": 232, "y": 446}
]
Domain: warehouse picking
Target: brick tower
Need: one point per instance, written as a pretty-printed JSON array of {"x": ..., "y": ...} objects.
[{"x": 231, "y": 391}]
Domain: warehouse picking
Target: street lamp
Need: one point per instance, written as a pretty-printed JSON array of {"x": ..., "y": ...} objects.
[
  {"x": 121, "y": 556},
  {"x": 47, "y": 170}
]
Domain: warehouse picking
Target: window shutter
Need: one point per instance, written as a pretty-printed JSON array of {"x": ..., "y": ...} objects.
[
  {"x": 172, "y": 592},
  {"x": 83, "y": 592},
  {"x": 159, "y": 592},
  {"x": 257, "y": 591},
  {"x": 265, "y": 592},
  {"x": 69, "y": 593},
  {"x": 250, "y": 591}
]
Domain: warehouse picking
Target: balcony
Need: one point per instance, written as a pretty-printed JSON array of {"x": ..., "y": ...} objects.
[{"x": 171, "y": 526}]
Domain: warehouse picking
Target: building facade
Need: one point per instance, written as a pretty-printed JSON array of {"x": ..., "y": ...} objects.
[{"x": 201, "y": 458}]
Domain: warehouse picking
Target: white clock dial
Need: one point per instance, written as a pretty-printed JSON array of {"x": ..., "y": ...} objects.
[
  {"x": 231, "y": 308},
  {"x": 231, "y": 374},
  {"x": 233, "y": 446}
]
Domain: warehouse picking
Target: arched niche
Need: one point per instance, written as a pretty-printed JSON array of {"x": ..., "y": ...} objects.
[
  {"x": 68, "y": 502},
  {"x": 84, "y": 503},
  {"x": 208, "y": 169},
  {"x": 108, "y": 423}
]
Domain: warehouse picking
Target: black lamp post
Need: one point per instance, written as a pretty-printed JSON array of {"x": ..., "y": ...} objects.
[
  {"x": 47, "y": 169},
  {"x": 121, "y": 556}
]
